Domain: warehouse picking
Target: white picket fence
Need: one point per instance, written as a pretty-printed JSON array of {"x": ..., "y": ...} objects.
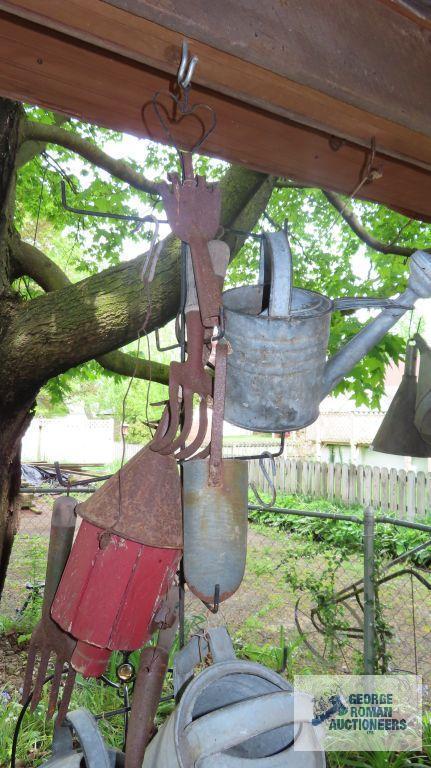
[
  {"x": 405, "y": 493},
  {"x": 408, "y": 494}
]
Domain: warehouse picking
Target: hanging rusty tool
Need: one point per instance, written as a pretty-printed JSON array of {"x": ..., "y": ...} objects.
[
  {"x": 149, "y": 682},
  {"x": 193, "y": 211},
  {"x": 192, "y": 204},
  {"x": 188, "y": 379},
  {"x": 48, "y": 639},
  {"x": 125, "y": 555}
]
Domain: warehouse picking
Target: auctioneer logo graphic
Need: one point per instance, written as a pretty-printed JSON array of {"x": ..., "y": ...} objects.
[{"x": 364, "y": 712}]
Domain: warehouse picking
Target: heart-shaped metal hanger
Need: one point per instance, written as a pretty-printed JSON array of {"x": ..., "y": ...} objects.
[{"x": 181, "y": 111}]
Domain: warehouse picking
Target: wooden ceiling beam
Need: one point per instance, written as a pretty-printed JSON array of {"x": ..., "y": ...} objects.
[
  {"x": 236, "y": 76},
  {"x": 60, "y": 72}
]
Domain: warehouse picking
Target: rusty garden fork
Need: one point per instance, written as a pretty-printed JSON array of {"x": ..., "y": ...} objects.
[
  {"x": 186, "y": 380},
  {"x": 47, "y": 638}
]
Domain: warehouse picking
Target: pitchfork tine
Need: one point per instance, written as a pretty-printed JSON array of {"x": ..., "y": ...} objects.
[
  {"x": 185, "y": 430},
  {"x": 174, "y": 409},
  {"x": 55, "y": 687},
  {"x": 40, "y": 679},
  {"x": 197, "y": 442},
  {"x": 67, "y": 693},
  {"x": 28, "y": 679}
]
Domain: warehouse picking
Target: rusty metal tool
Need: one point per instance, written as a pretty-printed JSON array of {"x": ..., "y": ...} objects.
[
  {"x": 149, "y": 682},
  {"x": 47, "y": 638},
  {"x": 193, "y": 210},
  {"x": 188, "y": 379}
]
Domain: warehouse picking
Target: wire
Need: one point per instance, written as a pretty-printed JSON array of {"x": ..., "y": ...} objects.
[
  {"x": 20, "y": 719},
  {"x": 36, "y": 228}
]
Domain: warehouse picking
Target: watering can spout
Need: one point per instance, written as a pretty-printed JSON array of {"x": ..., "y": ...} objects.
[{"x": 418, "y": 286}]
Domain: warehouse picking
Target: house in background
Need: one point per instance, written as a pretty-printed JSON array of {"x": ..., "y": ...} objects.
[{"x": 344, "y": 433}]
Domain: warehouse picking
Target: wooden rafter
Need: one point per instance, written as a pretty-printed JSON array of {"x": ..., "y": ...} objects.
[{"x": 102, "y": 64}]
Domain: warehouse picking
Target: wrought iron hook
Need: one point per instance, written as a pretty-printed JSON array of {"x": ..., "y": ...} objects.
[{"x": 270, "y": 480}]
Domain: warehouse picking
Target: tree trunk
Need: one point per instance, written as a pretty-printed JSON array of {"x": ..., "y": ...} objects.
[
  {"x": 12, "y": 427},
  {"x": 13, "y": 420}
]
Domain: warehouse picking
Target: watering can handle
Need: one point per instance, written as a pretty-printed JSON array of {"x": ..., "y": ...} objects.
[
  {"x": 277, "y": 260},
  {"x": 89, "y": 737},
  {"x": 229, "y": 726}
]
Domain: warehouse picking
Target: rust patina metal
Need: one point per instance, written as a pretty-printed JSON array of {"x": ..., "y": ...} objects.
[
  {"x": 48, "y": 639},
  {"x": 189, "y": 379},
  {"x": 142, "y": 501},
  {"x": 149, "y": 682},
  {"x": 193, "y": 210}
]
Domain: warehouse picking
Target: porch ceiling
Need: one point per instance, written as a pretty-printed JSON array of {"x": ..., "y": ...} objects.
[{"x": 284, "y": 78}]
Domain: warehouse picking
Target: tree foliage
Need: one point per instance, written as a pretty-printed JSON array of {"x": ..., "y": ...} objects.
[{"x": 328, "y": 255}]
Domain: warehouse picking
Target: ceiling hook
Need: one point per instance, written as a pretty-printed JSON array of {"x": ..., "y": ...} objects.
[{"x": 187, "y": 67}]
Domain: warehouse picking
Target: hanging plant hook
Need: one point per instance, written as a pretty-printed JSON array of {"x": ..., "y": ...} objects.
[{"x": 268, "y": 478}]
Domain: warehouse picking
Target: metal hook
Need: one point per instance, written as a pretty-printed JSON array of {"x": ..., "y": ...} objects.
[
  {"x": 160, "y": 348},
  {"x": 275, "y": 455},
  {"x": 220, "y": 329},
  {"x": 149, "y": 265},
  {"x": 270, "y": 480},
  {"x": 105, "y": 214},
  {"x": 186, "y": 68},
  {"x": 216, "y": 600}
]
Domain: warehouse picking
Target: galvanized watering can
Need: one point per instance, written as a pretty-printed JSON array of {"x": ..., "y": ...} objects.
[
  {"x": 233, "y": 714},
  {"x": 91, "y": 752},
  {"x": 277, "y": 372}
]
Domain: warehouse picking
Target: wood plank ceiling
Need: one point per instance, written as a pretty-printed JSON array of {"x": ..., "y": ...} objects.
[{"x": 298, "y": 91}]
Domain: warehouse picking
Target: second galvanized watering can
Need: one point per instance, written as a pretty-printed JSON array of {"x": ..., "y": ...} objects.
[
  {"x": 277, "y": 372},
  {"x": 233, "y": 714}
]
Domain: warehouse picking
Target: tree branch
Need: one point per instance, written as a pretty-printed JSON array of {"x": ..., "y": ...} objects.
[
  {"x": 57, "y": 331},
  {"x": 352, "y": 220},
  {"x": 128, "y": 365},
  {"x": 54, "y": 134},
  {"x": 355, "y": 225},
  {"x": 30, "y": 149},
  {"x": 48, "y": 275}
]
